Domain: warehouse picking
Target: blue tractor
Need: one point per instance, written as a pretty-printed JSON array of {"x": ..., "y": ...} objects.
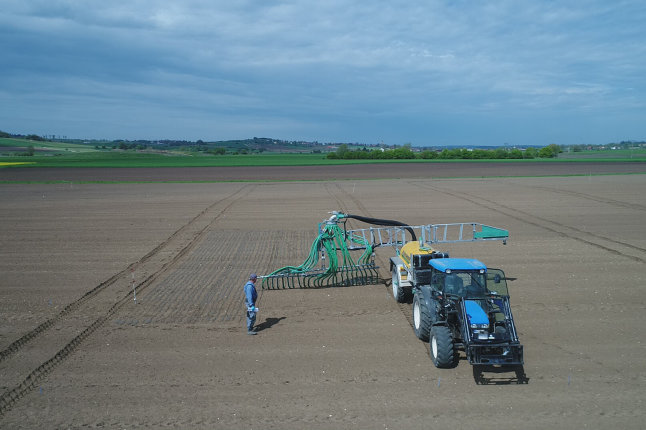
[
  {"x": 463, "y": 306},
  {"x": 458, "y": 303}
]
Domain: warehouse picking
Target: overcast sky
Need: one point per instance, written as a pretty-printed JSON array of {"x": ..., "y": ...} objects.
[{"x": 450, "y": 72}]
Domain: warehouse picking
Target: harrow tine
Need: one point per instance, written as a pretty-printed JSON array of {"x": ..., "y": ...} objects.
[{"x": 345, "y": 276}]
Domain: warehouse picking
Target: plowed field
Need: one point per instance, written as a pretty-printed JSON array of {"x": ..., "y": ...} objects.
[{"x": 76, "y": 349}]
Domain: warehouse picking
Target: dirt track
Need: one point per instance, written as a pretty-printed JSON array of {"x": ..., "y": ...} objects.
[{"x": 327, "y": 358}]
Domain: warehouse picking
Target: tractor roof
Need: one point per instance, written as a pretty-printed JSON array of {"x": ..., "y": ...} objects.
[{"x": 444, "y": 264}]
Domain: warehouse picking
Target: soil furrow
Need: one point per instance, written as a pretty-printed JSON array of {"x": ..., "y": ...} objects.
[
  {"x": 10, "y": 397},
  {"x": 76, "y": 305},
  {"x": 611, "y": 202},
  {"x": 542, "y": 223}
]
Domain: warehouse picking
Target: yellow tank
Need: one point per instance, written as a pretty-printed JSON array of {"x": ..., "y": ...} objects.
[{"x": 413, "y": 248}]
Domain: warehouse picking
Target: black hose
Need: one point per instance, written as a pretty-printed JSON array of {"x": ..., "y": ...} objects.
[{"x": 386, "y": 222}]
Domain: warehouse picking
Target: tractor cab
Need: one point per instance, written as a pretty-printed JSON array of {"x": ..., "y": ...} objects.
[
  {"x": 467, "y": 278},
  {"x": 462, "y": 277}
]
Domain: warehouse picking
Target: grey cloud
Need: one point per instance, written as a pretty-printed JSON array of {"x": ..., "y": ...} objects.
[{"x": 296, "y": 64}]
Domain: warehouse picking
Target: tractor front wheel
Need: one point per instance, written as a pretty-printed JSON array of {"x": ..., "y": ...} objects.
[
  {"x": 421, "y": 319},
  {"x": 442, "y": 349}
]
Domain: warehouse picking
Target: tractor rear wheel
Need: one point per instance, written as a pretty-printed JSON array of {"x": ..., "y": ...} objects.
[
  {"x": 442, "y": 349},
  {"x": 399, "y": 293},
  {"x": 421, "y": 319}
]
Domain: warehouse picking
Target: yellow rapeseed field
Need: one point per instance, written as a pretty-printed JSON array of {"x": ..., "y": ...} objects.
[{"x": 14, "y": 163}]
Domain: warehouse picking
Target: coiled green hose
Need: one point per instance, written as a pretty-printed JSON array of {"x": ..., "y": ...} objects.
[{"x": 341, "y": 270}]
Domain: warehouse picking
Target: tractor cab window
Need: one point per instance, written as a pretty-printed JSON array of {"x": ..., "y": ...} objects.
[
  {"x": 463, "y": 283},
  {"x": 437, "y": 281},
  {"x": 475, "y": 284},
  {"x": 497, "y": 282},
  {"x": 453, "y": 284}
]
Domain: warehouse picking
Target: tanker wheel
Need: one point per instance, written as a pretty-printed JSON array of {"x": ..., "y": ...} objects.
[
  {"x": 421, "y": 319},
  {"x": 442, "y": 349},
  {"x": 399, "y": 293}
]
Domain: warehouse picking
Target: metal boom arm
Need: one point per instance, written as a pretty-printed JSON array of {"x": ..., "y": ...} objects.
[{"x": 428, "y": 234}]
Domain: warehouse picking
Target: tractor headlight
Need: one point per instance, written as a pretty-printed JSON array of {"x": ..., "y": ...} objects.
[{"x": 479, "y": 326}]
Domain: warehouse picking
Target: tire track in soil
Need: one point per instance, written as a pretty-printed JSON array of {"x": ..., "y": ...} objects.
[
  {"x": 76, "y": 305},
  {"x": 543, "y": 223},
  {"x": 610, "y": 202},
  {"x": 13, "y": 395},
  {"x": 405, "y": 308}
]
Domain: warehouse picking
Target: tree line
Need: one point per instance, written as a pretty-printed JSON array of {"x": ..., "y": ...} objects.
[{"x": 406, "y": 153}]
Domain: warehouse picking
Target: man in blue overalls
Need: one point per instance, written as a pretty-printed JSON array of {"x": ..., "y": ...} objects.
[{"x": 251, "y": 295}]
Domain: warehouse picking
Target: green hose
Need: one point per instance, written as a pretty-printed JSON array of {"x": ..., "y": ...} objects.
[{"x": 341, "y": 270}]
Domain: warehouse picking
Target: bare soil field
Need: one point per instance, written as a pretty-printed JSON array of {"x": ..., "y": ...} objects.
[
  {"x": 298, "y": 173},
  {"x": 76, "y": 349}
]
